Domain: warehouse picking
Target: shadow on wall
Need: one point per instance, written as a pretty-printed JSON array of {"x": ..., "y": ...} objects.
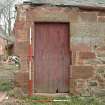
[{"x": 10, "y": 49}]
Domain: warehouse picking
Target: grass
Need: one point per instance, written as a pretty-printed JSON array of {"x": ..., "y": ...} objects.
[
  {"x": 5, "y": 86},
  {"x": 37, "y": 100},
  {"x": 72, "y": 101}
]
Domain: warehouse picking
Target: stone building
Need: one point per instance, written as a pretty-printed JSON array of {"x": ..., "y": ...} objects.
[
  {"x": 68, "y": 42},
  {"x": 6, "y": 43},
  {"x": 3, "y": 42},
  {"x": 2, "y": 46}
]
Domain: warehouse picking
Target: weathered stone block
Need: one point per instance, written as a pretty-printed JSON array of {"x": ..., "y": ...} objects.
[
  {"x": 82, "y": 72},
  {"x": 98, "y": 92},
  {"x": 87, "y": 55},
  {"x": 74, "y": 56},
  {"x": 88, "y": 16},
  {"x": 81, "y": 47},
  {"x": 92, "y": 83},
  {"x": 21, "y": 79},
  {"x": 80, "y": 83},
  {"x": 22, "y": 49}
]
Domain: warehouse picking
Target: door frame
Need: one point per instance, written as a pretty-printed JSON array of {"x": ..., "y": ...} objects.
[{"x": 33, "y": 46}]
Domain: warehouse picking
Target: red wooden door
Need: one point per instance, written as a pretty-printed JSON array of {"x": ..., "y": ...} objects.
[{"x": 52, "y": 58}]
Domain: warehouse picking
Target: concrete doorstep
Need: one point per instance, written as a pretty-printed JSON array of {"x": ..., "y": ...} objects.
[{"x": 3, "y": 96}]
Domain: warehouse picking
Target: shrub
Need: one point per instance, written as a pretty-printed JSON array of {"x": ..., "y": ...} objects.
[{"x": 6, "y": 85}]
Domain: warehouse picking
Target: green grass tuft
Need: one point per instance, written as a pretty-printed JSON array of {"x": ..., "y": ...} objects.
[{"x": 5, "y": 86}]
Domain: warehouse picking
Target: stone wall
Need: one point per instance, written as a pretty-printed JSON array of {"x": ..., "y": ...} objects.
[
  {"x": 88, "y": 80},
  {"x": 87, "y": 41},
  {"x": 2, "y": 46}
]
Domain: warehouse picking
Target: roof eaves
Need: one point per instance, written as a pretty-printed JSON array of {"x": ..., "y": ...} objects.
[{"x": 79, "y": 5}]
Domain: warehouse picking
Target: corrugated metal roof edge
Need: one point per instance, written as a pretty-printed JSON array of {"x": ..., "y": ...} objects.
[{"x": 89, "y": 7}]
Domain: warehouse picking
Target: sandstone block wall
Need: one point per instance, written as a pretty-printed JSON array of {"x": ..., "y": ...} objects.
[{"x": 87, "y": 43}]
